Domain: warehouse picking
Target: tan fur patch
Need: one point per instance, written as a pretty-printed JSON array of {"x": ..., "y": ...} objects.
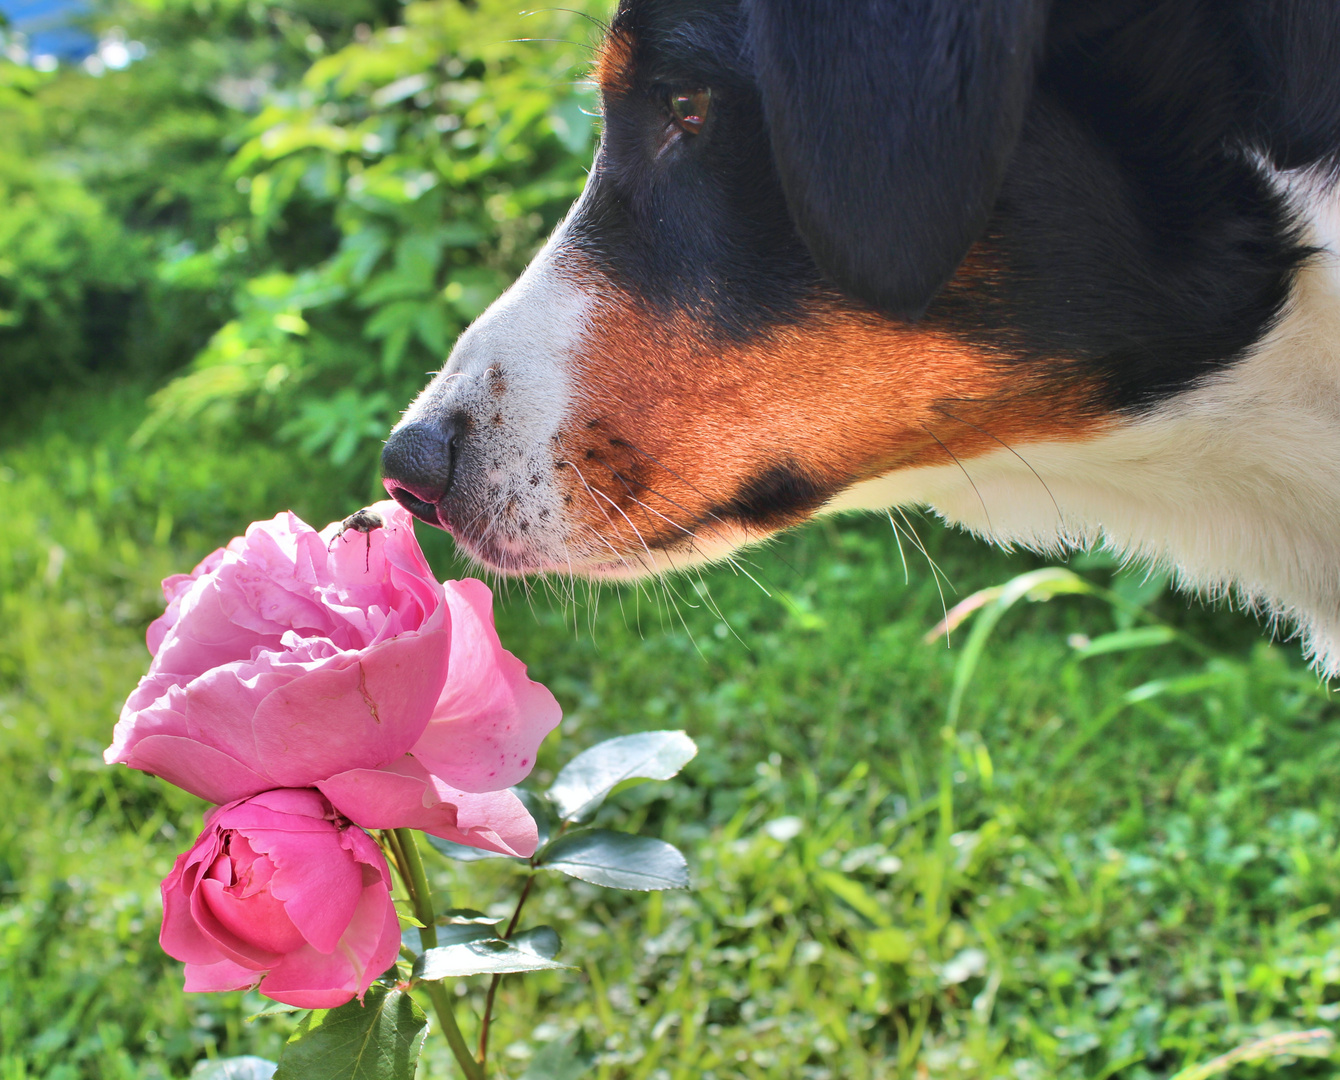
[
  {"x": 614, "y": 63},
  {"x": 671, "y": 426}
]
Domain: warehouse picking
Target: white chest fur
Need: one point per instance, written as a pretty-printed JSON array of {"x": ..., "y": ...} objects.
[{"x": 1234, "y": 484}]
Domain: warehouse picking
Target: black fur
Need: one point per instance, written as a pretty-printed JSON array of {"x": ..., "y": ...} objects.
[
  {"x": 777, "y": 497},
  {"x": 892, "y": 123},
  {"x": 700, "y": 224},
  {"x": 1130, "y": 242},
  {"x": 1133, "y": 239}
]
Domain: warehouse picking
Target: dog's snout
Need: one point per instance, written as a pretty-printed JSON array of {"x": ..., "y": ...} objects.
[{"x": 418, "y": 465}]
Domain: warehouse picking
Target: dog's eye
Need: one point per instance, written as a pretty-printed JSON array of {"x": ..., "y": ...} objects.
[{"x": 689, "y": 109}]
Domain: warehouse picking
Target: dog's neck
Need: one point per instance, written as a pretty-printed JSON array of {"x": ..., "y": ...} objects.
[{"x": 1234, "y": 484}]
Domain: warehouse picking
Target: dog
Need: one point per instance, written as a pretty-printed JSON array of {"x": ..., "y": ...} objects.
[{"x": 1064, "y": 272}]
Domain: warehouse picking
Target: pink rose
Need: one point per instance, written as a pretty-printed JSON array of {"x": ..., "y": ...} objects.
[
  {"x": 292, "y": 658},
  {"x": 280, "y": 891}
]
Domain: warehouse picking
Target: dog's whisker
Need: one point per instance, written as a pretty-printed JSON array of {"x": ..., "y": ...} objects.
[
  {"x": 1012, "y": 450},
  {"x": 646, "y": 487},
  {"x": 608, "y": 520},
  {"x": 897, "y": 539},
  {"x": 965, "y": 472},
  {"x": 656, "y": 461},
  {"x": 936, "y": 573},
  {"x": 648, "y": 508},
  {"x": 599, "y": 24},
  {"x": 619, "y": 510}
]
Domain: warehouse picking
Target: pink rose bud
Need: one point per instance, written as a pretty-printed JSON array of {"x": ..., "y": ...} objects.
[{"x": 280, "y": 891}]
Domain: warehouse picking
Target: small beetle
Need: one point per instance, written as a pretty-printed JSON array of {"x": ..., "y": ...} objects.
[{"x": 363, "y": 521}]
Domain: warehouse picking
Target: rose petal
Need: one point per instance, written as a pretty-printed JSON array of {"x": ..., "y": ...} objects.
[
  {"x": 360, "y": 715},
  {"x": 285, "y": 656},
  {"x": 195, "y": 767},
  {"x": 283, "y": 807},
  {"x": 314, "y": 980},
  {"x": 259, "y": 919},
  {"x": 317, "y": 881},
  {"x": 231, "y": 945},
  {"x": 490, "y": 719},
  {"x": 404, "y": 795},
  {"x": 207, "y": 631},
  {"x": 225, "y": 975},
  {"x": 180, "y": 937}
]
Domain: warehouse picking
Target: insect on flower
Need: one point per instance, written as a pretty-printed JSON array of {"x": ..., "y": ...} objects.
[{"x": 363, "y": 521}]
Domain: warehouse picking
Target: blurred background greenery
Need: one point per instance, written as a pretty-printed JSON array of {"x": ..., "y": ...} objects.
[{"x": 234, "y": 235}]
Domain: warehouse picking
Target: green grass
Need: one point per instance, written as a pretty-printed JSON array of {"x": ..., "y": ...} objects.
[{"x": 1057, "y": 887}]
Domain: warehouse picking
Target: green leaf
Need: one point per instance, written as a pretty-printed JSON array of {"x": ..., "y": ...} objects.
[
  {"x": 393, "y": 348},
  {"x": 890, "y": 944},
  {"x": 562, "y": 1059},
  {"x": 273, "y": 1008},
  {"x": 541, "y": 940},
  {"x": 1142, "y": 637},
  {"x": 584, "y": 782},
  {"x": 572, "y": 124},
  {"x": 473, "y": 288},
  {"x": 398, "y": 316},
  {"x": 236, "y": 1068},
  {"x": 378, "y": 1040},
  {"x": 1035, "y": 586},
  {"x": 455, "y": 927},
  {"x": 462, "y": 933},
  {"x": 397, "y": 284},
  {"x": 433, "y": 328},
  {"x": 461, "y": 234},
  {"x": 491, "y": 956},
  {"x": 618, "y": 860},
  {"x": 462, "y": 915}
]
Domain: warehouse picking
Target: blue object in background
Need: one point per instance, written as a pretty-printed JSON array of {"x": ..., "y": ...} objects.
[{"x": 51, "y": 27}]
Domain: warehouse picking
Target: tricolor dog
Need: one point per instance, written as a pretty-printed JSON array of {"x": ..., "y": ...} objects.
[{"x": 1065, "y": 272}]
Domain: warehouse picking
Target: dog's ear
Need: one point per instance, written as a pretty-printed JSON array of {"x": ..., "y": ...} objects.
[{"x": 892, "y": 123}]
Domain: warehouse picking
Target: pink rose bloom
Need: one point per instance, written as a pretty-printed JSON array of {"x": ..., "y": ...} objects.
[
  {"x": 293, "y": 658},
  {"x": 280, "y": 891}
]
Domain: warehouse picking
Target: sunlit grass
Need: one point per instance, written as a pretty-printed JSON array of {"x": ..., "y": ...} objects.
[{"x": 1111, "y": 865}]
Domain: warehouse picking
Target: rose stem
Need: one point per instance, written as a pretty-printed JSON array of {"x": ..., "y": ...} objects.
[
  {"x": 511, "y": 929},
  {"x": 493, "y": 983},
  {"x": 421, "y": 896}
]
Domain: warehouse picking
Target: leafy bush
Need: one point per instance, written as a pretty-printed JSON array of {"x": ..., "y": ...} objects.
[
  {"x": 442, "y": 151},
  {"x": 122, "y": 239},
  {"x": 66, "y": 265}
]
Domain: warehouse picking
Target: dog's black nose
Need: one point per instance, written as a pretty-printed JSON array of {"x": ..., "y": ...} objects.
[{"x": 418, "y": 461}]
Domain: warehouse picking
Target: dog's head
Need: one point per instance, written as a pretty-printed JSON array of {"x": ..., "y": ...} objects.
[{"x": 773, "y": 290}]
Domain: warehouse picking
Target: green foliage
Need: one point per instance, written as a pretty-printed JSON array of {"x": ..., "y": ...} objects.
[
  {"x": 90, "y": 529},
  {"x": 375, "y": 1039},
  {"x": 248, "y": 1067},
  {"x": 66, "y": 264},
  {"x": 1095, "y": 837},
  {"x": 1023, "y": 896},
  {"x": 122, "y": 235},
  {"x": 589, "y": 778},
  {"x": 617, "y": 860},
  {"x": 469, "y": 942},
  {"x": 485, "y": 954},
  {"x": 562, "y": 1059},
  {"x": 439, "y": 152}
]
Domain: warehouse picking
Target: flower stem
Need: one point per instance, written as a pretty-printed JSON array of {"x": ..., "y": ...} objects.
[
  {"x": 437, "y": 993},
  {"x": 416, "y": 881},
  {"x": 493, "y": 983},
  {"x": 412, "y": 873}
]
